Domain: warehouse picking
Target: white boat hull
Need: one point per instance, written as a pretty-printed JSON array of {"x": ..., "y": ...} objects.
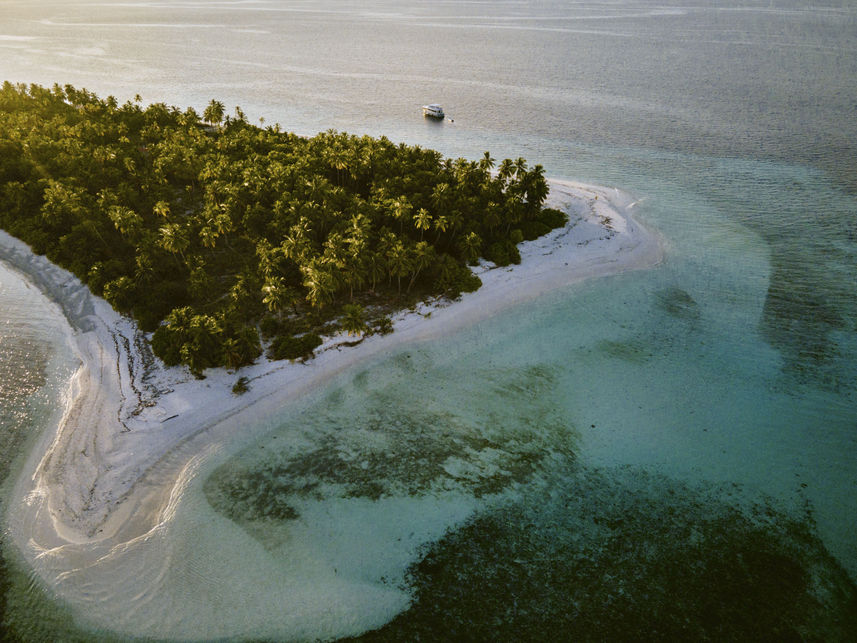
[{"x": 433, "y": 111}]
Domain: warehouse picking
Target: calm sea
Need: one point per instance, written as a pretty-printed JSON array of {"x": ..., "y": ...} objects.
[{"x": 726, "y": 376}]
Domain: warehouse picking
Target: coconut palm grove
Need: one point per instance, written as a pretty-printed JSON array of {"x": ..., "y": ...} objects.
[{"x": 222, "y": 237}]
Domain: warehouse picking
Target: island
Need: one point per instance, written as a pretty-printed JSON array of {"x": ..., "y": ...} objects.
[
  {"x": 211, "y": 231},
  {"x": 183, "y": 248}
]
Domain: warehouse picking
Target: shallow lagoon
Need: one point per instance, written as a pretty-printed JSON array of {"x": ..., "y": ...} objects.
[{"x": 640, "y": 396}]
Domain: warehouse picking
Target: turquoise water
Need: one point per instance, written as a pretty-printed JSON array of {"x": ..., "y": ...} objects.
[
  {"x": 670, "y": 372},
  {"x": 620, "y": 423}
]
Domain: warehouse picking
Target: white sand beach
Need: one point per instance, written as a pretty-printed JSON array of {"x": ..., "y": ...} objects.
[{"x": 111, "y": 473}]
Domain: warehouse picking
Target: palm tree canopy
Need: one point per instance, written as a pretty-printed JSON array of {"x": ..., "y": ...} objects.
[{"x": 206, "y": 234}]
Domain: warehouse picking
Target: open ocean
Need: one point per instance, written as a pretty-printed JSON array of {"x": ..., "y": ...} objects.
[{"x": 653, "y": 409}]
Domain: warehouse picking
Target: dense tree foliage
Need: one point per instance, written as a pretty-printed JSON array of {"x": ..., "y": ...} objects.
[{"x": 207, "y": 229}]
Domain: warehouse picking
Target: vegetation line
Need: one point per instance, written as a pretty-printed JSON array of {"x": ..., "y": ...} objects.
[{"x": 212, "y": 231}]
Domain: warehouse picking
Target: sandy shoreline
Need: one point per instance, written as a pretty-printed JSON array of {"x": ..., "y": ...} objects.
[{"x": 134, "y": 431}]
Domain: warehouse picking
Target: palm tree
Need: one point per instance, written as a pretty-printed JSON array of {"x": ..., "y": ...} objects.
[
  {"x": 354, "y": 319},
  {"x": 493, "y": 215},
  {"x": 232, "y": 353},
  {"x": 472, "y": 246},
  {"x": 398, "y": 262},
  {"x": 339, "y": 159},
  {"x": 213, "y": 114},
  {"x": 144, "y": 263},
  {"x": 318, "y": 189},
  {"x": 537, "y": 188},
  {"x": 401, "y": 210},
  {"x": 173, "y": 239},
  {"x": 319, "y": 282},
  {"x": 423, "y": 256},
  {"x": 267, "y": 258},
  {"x": 297, "y": 244},
  {"x": 274, "y": 295},
  {"x": 126, "y": 221},
  {"x": 161, "y": 209},
  {"x": 355, "y": 270},
  {"x": 208, "y": 234},
  {"x": 336, "y": 251},
  {"x": 203, "y": 346},
  {"x": 440, "y": 197},
  {"x": 422, "y": 221},
  {"x": 376, "y": 266},
  {"x": 462, "y": 172},
  {"x": 440, "y": 225},
  {"x": 486, "y": 162},
  {"x": 454, "y": 219},
  {"x": 62, "y": 201},
  {"x": 505, "y": 171},
  {"x": 514, "y": 208}
]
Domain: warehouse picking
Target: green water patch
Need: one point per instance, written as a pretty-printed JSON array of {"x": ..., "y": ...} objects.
[
  {"x": 671, "y": 325},
  {"x": 521, "y": 382},
  {"x": 633, "y": 351},
  {"x": 32, "y": 615},
  {"x": 678, "y": 303},
  {"x": 805, "y": 220},
  {"x": 361, "y": 441},
  {"x": 808, "y": 324},
  {"x": 29, "y": 612},
  {"x": 4, "y": 584},
  {"x": 810, "y": 308},
  {"x": 389, "y": 453},
  {"x": 623, "y": 554},
  {"x": 22, "y": 373}
]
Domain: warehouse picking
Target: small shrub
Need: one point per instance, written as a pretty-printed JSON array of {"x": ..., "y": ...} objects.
[
  {"x": 167, "y": 345},
  {"x": 354, "y": 319},
  {"x": 503, "y": 253},
  {"x": 455, "y": 279},
  {"x": 553, "y": 218},
  {"x": 291, "y": 347},
  {"x": 469, "y": 282},
  {"x": 148, "y": 319},
  {"x": 382, "y": 326},
  {"x": 120, "y": 293},
  {"x": 270, "y": 326},
  {"x": 240, "y": 387},
  {"x": 534, "y": 229}
]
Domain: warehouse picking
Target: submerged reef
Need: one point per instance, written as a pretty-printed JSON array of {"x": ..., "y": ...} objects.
[
  {"x": 678, "y": 303},
  {"x": 392, "y": 454},
  {"x": 375, "y": 449},
  {"x": 557, "y": 550},
  {"x": 628, "y": 555}
]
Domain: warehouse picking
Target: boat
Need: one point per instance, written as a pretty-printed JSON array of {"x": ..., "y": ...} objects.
[{"x": 434, "y": 111}]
